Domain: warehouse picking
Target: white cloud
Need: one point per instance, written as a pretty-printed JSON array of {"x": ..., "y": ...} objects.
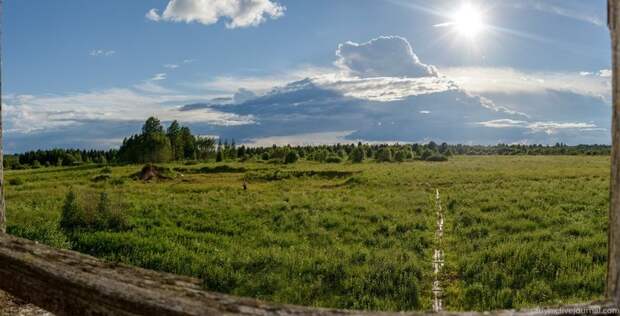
[
  {"x": 605, "y": 73},
  {"x": 384, "y": 89},
  {"x": 385, "y": 56},
  {"x": 257, "y": 84},
  {"x": 508, "y": 80},
  {"x": 303, "y": 139},
  {"x": 159, "y": 77},
  {"x": 171, "y": 66},
  {"x": 149, "y": 86},
  {"x": 29, "y": 113},
  {"x": 548, "y": 128},
  {"x": 102, "y": 53},
  {"x": 153, "y": 15},
  {"x": 240, "y": 13}
]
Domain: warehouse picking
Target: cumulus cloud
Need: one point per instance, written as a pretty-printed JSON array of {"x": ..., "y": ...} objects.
[
  {"x": 240, "y": 13},
  {"x": 385, "y": 56}
]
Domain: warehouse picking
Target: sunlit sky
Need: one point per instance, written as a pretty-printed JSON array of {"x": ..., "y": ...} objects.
[{"x": 84, "y": 74}]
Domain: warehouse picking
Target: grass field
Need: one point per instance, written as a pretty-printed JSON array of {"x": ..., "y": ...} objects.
[{"x": 520, "y": 231}]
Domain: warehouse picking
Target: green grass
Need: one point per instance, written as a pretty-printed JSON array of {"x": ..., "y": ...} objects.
[{"x": 520, "y": 231}]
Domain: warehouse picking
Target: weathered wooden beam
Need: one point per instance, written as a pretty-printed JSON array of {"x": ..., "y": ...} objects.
[
  {"x": 613, "y": 260},
  {"x": 69, "y": 283},
  {"x": 2, "y": 205}
]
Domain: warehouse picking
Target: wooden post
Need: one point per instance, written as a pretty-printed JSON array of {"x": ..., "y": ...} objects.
[
  {"x": 613, "y": 269},
  {"x": 2, "y": 204}
]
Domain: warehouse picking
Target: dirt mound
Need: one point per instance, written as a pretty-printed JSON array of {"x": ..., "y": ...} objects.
[{"x": 151, "y": 172}]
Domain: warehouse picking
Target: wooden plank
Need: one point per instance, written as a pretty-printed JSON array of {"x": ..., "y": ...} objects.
[
  {"x": 613, "y": 271},
  {"x": 2, "y": 204}
]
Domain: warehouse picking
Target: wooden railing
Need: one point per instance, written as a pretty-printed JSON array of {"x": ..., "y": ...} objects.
[{"x": 69, "y": 283}]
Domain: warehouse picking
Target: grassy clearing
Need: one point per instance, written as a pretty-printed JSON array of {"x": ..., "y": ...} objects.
[{"x": 519, "y": 230}]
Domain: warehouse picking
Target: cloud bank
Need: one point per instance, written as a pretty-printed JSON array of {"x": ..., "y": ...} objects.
[
  {"x": 239, "y": 13},
  {"x": 380, "y": 91}
]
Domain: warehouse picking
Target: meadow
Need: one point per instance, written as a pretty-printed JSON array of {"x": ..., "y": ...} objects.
[{"x": 520, "y": 231}]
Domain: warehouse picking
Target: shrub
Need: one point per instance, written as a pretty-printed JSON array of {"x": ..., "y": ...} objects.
[
  {"x": 72, "y": 216},
  {"x": 106, "y": 170},
  {"x": 426, "y": 154},
  {"x": 358, "y": 155},
  {"x": 16, "y": 181},
  {"x": 384, "y": 155},
  {"x": 437, "y": 157},
  {"x": 333, "y": 159},
  {"x": 265, "y": 156},
  {"x": 400, "y": 156},
  {"x": 101, "y": 178},
  {"x": 291, "y": 157},
  {"x": 538, "y": 292},
  {"x": 36, "y": 164},
  {"x": 86, "y": 215},
  {"x": 107, "y": 216}
]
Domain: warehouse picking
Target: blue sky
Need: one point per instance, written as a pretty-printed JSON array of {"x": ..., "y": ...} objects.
[{"x": 84, "y": 74}]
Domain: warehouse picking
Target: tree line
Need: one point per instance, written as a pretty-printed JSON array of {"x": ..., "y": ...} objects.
[{"x": 156, "y": 144}]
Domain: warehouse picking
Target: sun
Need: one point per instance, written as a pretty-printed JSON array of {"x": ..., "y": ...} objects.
[{"x": 468, "y": 21}]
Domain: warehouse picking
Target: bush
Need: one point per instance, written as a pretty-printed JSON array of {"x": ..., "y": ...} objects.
[
  {"x": 85, "y": 215},
  {"x": 16, "y": 181},
  {"x": 426, "y": 154},
  {"x": 384, "y": 155},
  {"x": 538, "y": 292},
  {"x": 400, "y": 156},
  {"x": 36, "y": 164},
  {"x": 291, "y": 157},
  {"x": 72, "y": 217},
  {"x": 437, "y": 157},
  {"x": 358, "y": 155},
  {"x": 333, "y": 159},
  {"x": 265, "y": 156},
  {"x": 106, "y": 170},
  {"x": 107, "y": 216},
  {"x": 101, "y": 178}
]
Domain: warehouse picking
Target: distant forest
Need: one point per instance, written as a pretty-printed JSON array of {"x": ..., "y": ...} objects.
[{"x": 177, "y": 143}]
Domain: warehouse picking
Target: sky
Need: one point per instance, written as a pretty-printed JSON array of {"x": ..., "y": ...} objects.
[{"x": 86, "y": 74}]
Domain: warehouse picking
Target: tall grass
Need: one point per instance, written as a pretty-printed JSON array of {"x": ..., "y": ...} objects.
[{"x": 520, "y": 231}]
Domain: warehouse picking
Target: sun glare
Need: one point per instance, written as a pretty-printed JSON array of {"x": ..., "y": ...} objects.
[{"x": 468, "y": 21}]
